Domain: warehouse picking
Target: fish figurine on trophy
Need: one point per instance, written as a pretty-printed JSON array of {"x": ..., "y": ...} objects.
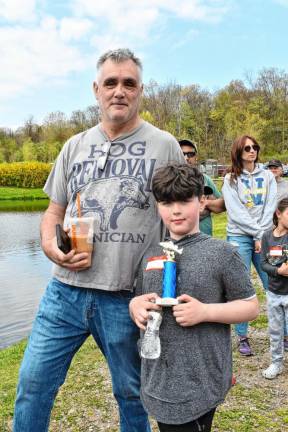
[{"x": 169, "y": 275}]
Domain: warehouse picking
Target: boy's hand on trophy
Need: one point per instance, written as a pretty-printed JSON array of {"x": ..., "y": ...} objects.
[
  {"x": 189, "y": 311},
  {"x": 140, "y": 306}
]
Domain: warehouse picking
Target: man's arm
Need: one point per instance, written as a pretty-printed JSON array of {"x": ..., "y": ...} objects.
[
  {"x": 72, "y": 261},
  {"x": 215, "y": 205},
  {"x": 191, "y": 311}
]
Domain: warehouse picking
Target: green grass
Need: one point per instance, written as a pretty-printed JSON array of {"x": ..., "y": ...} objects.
[
  {"x": 12, "y": 193},
  {"x": 9, "y": 365},
  {"x": 87, "y": 387},
  {"x": 219, "y": 222}
]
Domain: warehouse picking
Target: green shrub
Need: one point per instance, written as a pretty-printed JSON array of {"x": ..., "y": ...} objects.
[{"x": 24, "y": 174}]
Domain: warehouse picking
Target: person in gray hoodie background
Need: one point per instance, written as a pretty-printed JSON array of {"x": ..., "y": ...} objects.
[{"x": 249, "y": 193}]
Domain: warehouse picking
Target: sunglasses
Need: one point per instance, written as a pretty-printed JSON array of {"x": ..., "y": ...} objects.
[
  {"x": 189, "y": 154},
  {"x": 254, "y": 147},
  {"x": 103, "y": 158}
]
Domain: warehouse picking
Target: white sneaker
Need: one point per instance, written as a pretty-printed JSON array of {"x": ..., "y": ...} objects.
[{"x": 272, "y": 371}]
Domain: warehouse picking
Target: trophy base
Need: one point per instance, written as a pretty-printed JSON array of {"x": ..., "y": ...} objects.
[{"x": 167, "y": 301}]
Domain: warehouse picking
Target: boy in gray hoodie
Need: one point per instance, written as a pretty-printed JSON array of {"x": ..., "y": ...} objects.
[{"x": 182, "y": 388}]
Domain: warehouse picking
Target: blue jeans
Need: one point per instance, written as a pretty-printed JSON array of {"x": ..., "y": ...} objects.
[
  {"x": 245, "y": 245},
  {"x": 67, "y": 316}
]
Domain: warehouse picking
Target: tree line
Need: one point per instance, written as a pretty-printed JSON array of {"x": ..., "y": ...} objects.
[{"x": 255, "y": 106}]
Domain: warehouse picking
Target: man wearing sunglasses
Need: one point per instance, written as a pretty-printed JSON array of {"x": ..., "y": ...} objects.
[
  {"x": 214, "y": 201},
  {"x": 104, "y": 173}
]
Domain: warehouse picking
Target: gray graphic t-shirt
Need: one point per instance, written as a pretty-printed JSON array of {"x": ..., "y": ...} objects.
[{"x": 113, "y": 181}]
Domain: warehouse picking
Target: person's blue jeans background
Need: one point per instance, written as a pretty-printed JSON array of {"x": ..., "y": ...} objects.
[
  {"x": 67, "y": 316},
  {"x": 245, "y": 247}
]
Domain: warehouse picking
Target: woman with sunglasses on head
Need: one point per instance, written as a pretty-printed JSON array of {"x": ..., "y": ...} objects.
[{"x": 249, "y": 193}]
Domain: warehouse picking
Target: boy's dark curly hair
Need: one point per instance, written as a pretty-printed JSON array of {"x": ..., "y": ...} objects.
[{"x": 177, "y": 182}]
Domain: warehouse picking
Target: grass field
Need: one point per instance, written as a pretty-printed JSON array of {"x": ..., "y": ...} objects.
[
  {"x": 85, "y": 402},
  {"x": 11, "y": 193}
]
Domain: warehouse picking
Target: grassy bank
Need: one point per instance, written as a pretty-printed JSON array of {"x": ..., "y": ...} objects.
[
  {"x": 85, "y": 403},
  {"x": 13, "y": 193}
]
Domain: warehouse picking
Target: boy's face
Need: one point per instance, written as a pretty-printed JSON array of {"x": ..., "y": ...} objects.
[{"x": 181, "y": 217}]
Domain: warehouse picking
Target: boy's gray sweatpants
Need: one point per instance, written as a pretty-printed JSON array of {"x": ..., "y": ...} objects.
[{"x": 277, "y": 315}]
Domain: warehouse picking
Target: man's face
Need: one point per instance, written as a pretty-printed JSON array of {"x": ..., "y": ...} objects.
[
  {"x": 118, "y": 92},
  {"x": 181, "y": 217},
  {"x": 189, "y": 154},
  {"x": 277, "y": 171}
]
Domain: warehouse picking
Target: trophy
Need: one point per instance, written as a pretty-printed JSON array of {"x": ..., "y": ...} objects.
[
  {"x": 169, "y": 275},
  {"x": 151, "y": 345}
]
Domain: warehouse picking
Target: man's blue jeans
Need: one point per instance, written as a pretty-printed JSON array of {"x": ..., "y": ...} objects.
[
  {"x": 67, "y": 316},
  {"x": 245, "y": 247}
]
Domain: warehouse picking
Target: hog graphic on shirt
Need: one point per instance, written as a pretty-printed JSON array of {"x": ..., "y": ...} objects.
[{"x": 109, "y": 197}]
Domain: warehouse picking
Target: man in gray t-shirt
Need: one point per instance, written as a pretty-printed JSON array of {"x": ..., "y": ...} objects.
[{"x": 104, "y": 173}]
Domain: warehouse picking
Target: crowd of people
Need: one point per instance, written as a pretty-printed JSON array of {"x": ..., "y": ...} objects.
[{"x": 141, "y": 185}]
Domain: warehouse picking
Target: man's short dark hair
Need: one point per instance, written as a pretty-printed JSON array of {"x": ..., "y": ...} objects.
[{"x": 177, "y": 182}]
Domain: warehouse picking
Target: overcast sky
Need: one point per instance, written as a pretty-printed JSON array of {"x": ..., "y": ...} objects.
[{"x": 49, "y": 49}]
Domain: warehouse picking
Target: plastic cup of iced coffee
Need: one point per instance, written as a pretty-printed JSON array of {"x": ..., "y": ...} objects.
[{"x": 81, "y": 232}]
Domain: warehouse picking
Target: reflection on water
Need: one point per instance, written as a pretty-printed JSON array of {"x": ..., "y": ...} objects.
[
  {"x": 23, "y": 205},
  {"x": 24, "y": 271}
]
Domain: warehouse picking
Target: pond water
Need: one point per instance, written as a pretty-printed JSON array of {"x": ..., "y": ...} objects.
[{"x": 24, "y": 269}]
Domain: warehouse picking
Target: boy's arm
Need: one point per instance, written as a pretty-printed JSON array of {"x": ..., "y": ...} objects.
[
  {"x": 239, "y": 303},
  {"x": 266, "y": 266},
  {"x": 192, "y": 311},
  {"x": 140, "y": 306}
]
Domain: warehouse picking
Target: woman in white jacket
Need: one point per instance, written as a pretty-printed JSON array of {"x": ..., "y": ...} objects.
[{"x": 250, "y": 194}]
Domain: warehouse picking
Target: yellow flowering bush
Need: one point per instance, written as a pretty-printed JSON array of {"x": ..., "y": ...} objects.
[{"x": 24, "y": 174}]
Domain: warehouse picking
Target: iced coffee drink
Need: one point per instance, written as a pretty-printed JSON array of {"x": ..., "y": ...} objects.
[{"x": 81, "y": 230}]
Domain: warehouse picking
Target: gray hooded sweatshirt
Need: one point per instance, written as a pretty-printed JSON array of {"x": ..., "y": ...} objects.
[{"x": 250, "y": 202}]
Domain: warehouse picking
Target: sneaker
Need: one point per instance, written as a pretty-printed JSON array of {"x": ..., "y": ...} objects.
[
  {"x": 244, "y": 347},
  {"x": 272, "y": 371},
  {"x": 285, "y": 344}
]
